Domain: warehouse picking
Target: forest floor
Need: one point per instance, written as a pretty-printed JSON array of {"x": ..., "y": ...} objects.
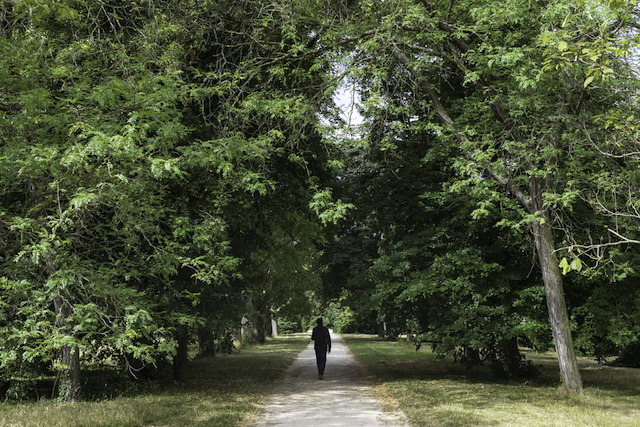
[{"x": 342, "y": 398}]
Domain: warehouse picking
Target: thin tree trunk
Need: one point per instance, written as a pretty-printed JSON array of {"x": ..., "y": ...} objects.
[
  {"x": 261, "y": 333},
  {"x": 557, "y": 306},
  {"x": 238, "y": 338},
  {"x": 181, "y": 358},
  {"x": 248, "y": 330},
  {"x": 382, "y": 329},
  {"x": 268, "y": 324},
  {"x": 274, "y": 326},
  {"x": 69, "y": 386}
]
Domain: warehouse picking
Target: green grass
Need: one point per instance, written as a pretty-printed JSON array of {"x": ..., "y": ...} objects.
[
  {"x": 438, "y": 393},
  {"x": 218, "y": 391}
]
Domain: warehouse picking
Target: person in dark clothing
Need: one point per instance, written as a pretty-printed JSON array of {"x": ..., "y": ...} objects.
[{"x": 322, "y": 345}]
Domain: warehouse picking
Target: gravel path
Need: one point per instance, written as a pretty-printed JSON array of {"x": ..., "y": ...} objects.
[{"x": 343, "y": 398}]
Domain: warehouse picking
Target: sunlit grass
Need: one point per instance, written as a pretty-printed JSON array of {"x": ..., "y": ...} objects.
[
  {"x": 437, "y": 393},
  {"x": 219, "y": 391}
]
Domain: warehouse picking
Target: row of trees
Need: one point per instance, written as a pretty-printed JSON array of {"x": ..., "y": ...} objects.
[
  {"x": 524, "y": 119},
  {"x": 166, "y": 170},
  {"x": 157, "y": 164}
]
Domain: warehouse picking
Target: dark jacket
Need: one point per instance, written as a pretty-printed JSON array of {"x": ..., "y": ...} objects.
[{"x": 321, "y": 338}]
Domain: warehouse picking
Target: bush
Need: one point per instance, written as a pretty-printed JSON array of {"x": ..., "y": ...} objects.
[
  {"x": 226, "y": 345},
  {"x": 25, "y": 389},
  {"x": 629, "y": 357},
  {"x": 345, "y": 321},
  {"x": 288, "y": 327}
]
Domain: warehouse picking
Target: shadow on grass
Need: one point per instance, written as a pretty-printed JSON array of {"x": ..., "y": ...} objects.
[
  {"x": 404, "y": 362},
  {"x": 438, "y": 392},
  {"x": 216, "y": 391}
]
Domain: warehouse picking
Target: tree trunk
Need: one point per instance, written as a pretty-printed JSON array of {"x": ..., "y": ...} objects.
[
  {"x": 248, "y": 329},
  {"x": 471, "y": 356},
  {"x": 69, "y": 386},
  {"x": 268, "y": 324},
  {"x": 238, "y": 338},
  {"x": 274, "y": 326},
  {"x": 182, "y": 355},
  {"x": 262, "y": 321},
  {"x": 382, "y": 329},
  {"x": 206, "y": 341},
  {"x": 556, "y": 305},
  {"x": 512, "y": 357},
  {"x": 261, "y": 333}
]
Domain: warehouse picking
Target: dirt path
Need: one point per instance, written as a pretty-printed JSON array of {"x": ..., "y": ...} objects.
[{"x": 343, "y": 398}]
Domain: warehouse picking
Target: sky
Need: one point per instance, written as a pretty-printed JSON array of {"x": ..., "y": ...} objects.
[{"x": 347, "y": 99}]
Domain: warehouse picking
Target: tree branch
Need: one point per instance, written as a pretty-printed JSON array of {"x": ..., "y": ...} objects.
[
  {"x": 596, "y": 247},
  {"x": 444, "y": 116}
]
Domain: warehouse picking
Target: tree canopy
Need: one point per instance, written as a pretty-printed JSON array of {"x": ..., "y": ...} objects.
[{"x": 170, "y": 169}]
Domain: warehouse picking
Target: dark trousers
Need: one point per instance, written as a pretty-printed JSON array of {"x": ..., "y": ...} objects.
[{"x": 321, "y": 359}]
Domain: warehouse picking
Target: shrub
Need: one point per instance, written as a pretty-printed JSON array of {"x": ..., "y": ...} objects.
[{"x": 629, "y": 357}]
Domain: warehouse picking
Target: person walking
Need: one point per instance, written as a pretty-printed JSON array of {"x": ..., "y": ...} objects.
[{"x": 322, "y": 345}]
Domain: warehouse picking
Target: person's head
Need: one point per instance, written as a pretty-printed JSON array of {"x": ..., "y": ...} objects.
[{"x": 319, "y": 321}]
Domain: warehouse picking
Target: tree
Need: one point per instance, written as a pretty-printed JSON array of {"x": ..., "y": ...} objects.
[
  {"x": 431, "y": 273},
  {"x": 516, "y": 120},
  {"x": 84, "y": 157},
  {"x": 130, "y": 130}
]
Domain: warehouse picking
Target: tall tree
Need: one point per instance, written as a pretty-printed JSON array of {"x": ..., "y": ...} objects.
[
  {"x": 515, "y": 118},
  {"x": 129, "y": 132}
]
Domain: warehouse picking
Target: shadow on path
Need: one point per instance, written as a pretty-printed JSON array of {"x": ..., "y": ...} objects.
[{"x": 343, "y": 398}]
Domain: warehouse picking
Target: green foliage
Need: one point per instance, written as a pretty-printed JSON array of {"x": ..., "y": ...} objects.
[
  {"x": 164, "y": 171},
  {"x": 519, "y": 90},
  {"x": 346, "y": 321},
  {"x": 431, "y": 273},
  {"x": 38, "y": 9},
  {"x": 327, "y": 210},
  {"x": 629, "y": 356},
  {"x": 576, "y": 265},
  {"x": 341, "y": 318},
  {"x": 140, "y": 163}
]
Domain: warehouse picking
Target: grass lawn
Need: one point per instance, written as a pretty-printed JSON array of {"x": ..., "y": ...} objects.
[
  {"x": 435, "y": 392},
  {"x": 219, "y": 391}
]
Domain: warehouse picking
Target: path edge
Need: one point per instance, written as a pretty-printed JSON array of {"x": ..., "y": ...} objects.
[{"x": 390, "y": 405}]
